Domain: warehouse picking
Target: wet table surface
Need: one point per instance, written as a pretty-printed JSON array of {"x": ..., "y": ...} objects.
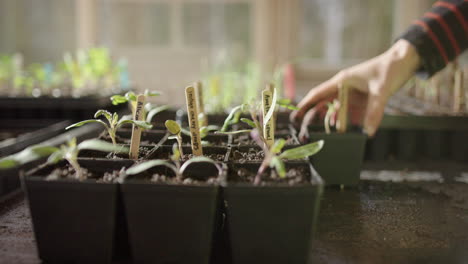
[{"x": 423, "y": 219}]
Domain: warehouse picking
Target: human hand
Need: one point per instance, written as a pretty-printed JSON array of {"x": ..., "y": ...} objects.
[{"x": 371, "y": 83}]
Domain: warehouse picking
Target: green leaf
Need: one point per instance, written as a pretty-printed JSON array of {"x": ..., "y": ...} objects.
[
  {"x": 286, "y": 103},
  {"x": 278, "y": 146},
  {"x": 138, "y": 123},
  {"x": 27, "y": 155},
  {"x": 153, "y": 112},
  {"x": 271, "y": 111},
  {"x": 118, "y": 99},
  {"x": 173, "y": 127},
  {"x": 302, "y": 151},
  {"x": 86, "y": 122},
  {"x": 139, "y": 168},
  {"x": 130, "y": 96},
  {"x": 152, "y": 93},
  {"x": 234, "y": 132},
  {"x": 230, "y": 117},
  {"x": 249, "y": 122},
  {"x": 278, "y": 165},
  {"x": 105, "y": 113},
  {"x": 100, "y": 145},
  {"x": 55, "y": 157},
  {"x": 200, "y": 159}
]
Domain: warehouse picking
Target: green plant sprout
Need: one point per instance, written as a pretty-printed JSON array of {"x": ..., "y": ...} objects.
[
  {"x": 113, "y": 123},
  {"x": 254, "y": 109},
  {"x": 176, "y": 167},
  {"x": 274, "y": 157},
  {"x": 68, "y": 152},
  {"x": 131, "y": 99},
  {"x": 174, "y": 128},
  {"x": 331, "y": 112}
]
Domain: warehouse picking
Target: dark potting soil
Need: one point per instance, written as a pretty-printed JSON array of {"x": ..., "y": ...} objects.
[
  {"x": 294, "y": 176},
  {"x": 158, "y": 178},
  {"x": 69, "y": 173},
  {"x": 253, "y": 154},
  {"x": 185, "y": 157}
]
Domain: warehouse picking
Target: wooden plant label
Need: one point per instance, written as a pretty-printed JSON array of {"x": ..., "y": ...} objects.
[
  {"x": 343, "y": 92},
  {"x": 201, "y": 107},
  {"x": 136, "y": 131},
  {"x": 458, "y": 90},
  {"x": 192, "y": 112},
  {"x": 269, "y": 127}
]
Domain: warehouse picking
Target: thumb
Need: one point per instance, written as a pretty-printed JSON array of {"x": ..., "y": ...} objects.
[{"x": 374, "y": 112}]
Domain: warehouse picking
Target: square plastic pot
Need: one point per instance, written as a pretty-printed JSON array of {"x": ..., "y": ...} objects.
[
  {"x": 341, "y": 158},
  {"x": 171, "y": 223},
  {"x": 272, "y": 224},
  {"x": 74, "y": 222}
]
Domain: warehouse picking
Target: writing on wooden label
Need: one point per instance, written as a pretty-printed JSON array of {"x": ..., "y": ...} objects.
[
  {"x": 201, "y": 107},
  {"x": 268, "y": 127},
  {"x": 192, "y": 113},
  {"x": 136, "y": 131}
]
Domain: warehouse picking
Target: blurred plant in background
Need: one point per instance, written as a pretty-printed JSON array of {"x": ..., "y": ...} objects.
[
  {"x": 88, "y": 72},
  {"x": 224, "y": 89}
]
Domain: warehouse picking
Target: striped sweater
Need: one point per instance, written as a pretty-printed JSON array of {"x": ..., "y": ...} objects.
[{"x": 440, "y": 35}]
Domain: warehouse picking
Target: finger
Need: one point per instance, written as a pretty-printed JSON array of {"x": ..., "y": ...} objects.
[
  {"x": 309, "y": 118},
  {"x": 323, "y": 92},
  {"x": 374, "y": 113}
]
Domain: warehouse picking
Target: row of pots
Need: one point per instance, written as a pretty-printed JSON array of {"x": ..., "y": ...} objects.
[{"x": 222, "y": 221}]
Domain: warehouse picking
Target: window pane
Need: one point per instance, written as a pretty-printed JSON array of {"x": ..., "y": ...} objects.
[
  {"x": 334, "y": 31},
  {"x": 217, "y": 25},
  {"x": 133, "y": 24}
]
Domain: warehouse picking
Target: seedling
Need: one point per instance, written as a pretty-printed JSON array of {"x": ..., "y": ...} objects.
[
  {"x": 175, "y": 166},
  {"x": 274, "y": 158},
  {"x": 113, "y": 123},
  {"x": 174, "y": 128},
  {"x": 68, "y": 152},
  {"x": 254, "y": 109},
  {"x": 131, "y": 99}
]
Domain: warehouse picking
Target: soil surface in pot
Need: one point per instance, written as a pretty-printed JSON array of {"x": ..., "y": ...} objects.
[
  {"x": 185, "y": 157},
  {"x": 197, "y": 174},
  {"x": 68, "y": 172},
  {"x": 294, "y": 175},
  {"x": 253, "y": 154}
]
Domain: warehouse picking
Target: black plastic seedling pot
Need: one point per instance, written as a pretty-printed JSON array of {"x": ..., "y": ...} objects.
[
  {"x": 341, "y": 158},
  {"x": 171, "y": 223},
  {"x": 272, "y": 223},
  {"x": 74, "y": 221}
]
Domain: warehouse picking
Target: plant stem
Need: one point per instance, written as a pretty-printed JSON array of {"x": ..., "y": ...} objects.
[
  {"x": 179, "y": 142},
  {"x": 77, "y": 168},
  {"x": 112, "y": 136}
]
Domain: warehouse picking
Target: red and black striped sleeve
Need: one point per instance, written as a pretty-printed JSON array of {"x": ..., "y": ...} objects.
[{"x": 440, "y": 35}]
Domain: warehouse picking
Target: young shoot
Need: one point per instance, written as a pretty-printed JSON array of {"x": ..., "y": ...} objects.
[
  {"x": 174, "y": 128},
  {"x": 329, "y": 117},
  {"x": 254, "y": 109},
  {"x": 68, "y": 152},
  {"x": 174, "y": 166},
  {"x": 131, "y": 99},
  {"x": 113, "y": 123},
  {"x": 274, "y": 158}
]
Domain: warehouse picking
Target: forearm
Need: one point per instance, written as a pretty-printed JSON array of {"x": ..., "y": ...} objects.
[{"x": 440, "y": 36}]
